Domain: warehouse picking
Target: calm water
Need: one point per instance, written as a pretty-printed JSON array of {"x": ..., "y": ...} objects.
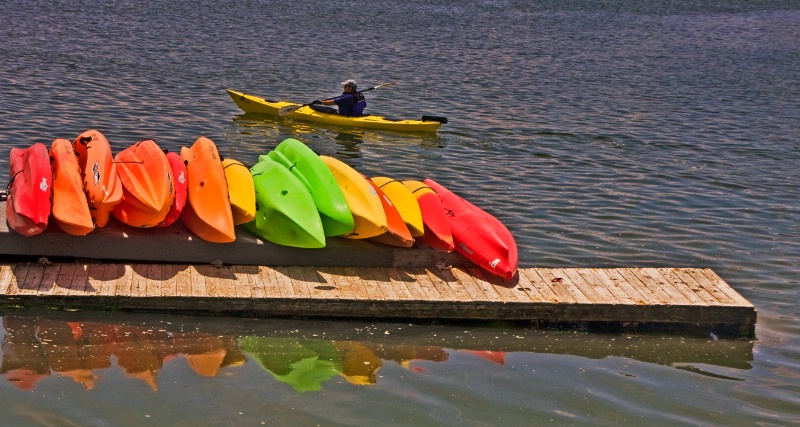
[{"x": 616, "y": 133}]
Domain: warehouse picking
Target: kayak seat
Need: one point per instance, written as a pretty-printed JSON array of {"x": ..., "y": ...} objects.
[{"x": 329, "y": 110}]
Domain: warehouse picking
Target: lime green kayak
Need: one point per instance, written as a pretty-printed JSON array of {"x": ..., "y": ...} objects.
[
  {"x": 285, "y": 212},
  {"x": 254, "y": 104},
  {"x": 306, "y": 165}
]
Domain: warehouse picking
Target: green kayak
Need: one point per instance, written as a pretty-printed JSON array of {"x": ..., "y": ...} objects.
[
  {"x": 306, "y": 165},
  {"x": 285, "y": 211}
]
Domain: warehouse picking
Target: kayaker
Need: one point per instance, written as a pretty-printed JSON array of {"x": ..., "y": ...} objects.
[{"x": 351, "y": 102}]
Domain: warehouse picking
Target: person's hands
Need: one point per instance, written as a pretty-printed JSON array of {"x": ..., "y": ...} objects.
[{"x": 316, "y": 102}]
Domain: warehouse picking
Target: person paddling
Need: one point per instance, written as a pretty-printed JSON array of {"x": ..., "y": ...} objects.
[{"x": 351, "y": 102}]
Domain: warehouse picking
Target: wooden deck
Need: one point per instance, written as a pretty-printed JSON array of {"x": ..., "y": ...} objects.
[{"x": 642, "y": 295}]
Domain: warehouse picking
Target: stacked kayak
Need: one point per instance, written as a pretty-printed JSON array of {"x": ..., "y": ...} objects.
[
  {"x": 241, "y": 191},
  {"x": 477, "y": 235},
  {"x": 285, "y": 213},
  {"x": 148, "y": 188},
  {"x": 101, "y": 183},
  {"x": 369, "y": 217},
  {"x": 208, "y": 213},
  {"x": 255, "y": 104},
  {"x": 30, "y": 189},
  {"x": 291, "y": 196},
  {"x": 70, "y": 209},
  {"x": 309, "y": 168},
  {"x": 180, "y": 179}
]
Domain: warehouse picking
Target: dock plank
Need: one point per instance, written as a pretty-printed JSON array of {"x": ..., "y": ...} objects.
[
  {"x": 540, "y": 286},
  {"x": 597, "y": 295},
  {"x": 701, "y": 283},
  {"x": 370, "y": 286},
  {"x": 720, "y": 284},
  {"x": 244, "y": 275},
  {"x": 525, "y": 285},
  {"x": 6, "y": 273},
  {"x": 547, "y": 280},
  {"x": 659, "y": 295},
  {"x": 563, "y": 283},
  {"x": 401, "y": 280},
  {"x": 388, "y": 289},
  {"x": 19, "y": 271},
  {"x": 683, "y": 288},
  {"x": 464, "y": 276},
  {"x": 80, "y": 281},
  {"x": 122, "y": 287},
  {"x": 49, "y": 279},
  {"x": 30, "y": 286},
  {"x": 675, "y": 297},
  {"x": 183, "y": 280}
]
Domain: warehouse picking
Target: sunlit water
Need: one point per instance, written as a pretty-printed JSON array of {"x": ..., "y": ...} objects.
[{"x": 601, "y": 133}]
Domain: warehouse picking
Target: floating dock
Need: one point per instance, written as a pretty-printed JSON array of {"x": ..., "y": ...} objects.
[{"x": 347, "y": 279}]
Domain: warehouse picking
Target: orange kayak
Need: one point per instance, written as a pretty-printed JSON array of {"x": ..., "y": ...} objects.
[
  {"x": 148, "y": 189},
  {"x": 208, "y": 213},
  {"x": 181, "y": 182},
  {"x": 397, "y": 233},
  {"x": 70, "y": 208},
  {"x": 437, "y": 228},
  {"x": 100, "y": 180},
  {"x": 30, "y": 188}
]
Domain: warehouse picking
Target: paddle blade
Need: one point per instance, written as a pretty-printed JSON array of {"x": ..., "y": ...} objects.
[{"x": 288, "y": 109}]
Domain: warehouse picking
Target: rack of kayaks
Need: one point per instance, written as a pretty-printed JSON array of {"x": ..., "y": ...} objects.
[{"x": 291, "y": 196}]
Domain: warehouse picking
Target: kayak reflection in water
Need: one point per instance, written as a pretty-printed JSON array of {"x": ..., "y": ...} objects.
[{"x": 351, "y": 102}]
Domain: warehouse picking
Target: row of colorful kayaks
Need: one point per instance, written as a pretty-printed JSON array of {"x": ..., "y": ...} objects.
[{"x": 291, "y": 196}]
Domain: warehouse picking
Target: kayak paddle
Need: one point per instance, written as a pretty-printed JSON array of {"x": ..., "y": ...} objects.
[{"x": 289, "y": 109}]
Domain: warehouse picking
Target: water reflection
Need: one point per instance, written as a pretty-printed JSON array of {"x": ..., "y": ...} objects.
[
  {"x": 304, "y": 355},
  {"x": 260, "y": 133}
]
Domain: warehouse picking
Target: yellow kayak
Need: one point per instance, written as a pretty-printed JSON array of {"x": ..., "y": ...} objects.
[
  {"x": 255, "y": 104},
  {"x": 364, "y": 203},
  {"x": 405, "y": 201},
  {"x": 241, "y": 191}
]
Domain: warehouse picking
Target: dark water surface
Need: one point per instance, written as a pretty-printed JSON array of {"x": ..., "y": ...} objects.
[{"x": 614, "y": 133}]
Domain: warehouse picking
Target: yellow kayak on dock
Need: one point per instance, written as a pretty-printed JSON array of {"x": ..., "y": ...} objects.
[
  {"x": 255, "y": 104},
  {"x": 241, "y": 191},
  {"x": 365, "y": 205},
  {"x": 405, "y": 201}
]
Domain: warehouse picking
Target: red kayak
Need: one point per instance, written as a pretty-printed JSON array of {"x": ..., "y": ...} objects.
[
  {"x": 30, "y": 189},
  {"x": 478, "y": 235},
  {"x": 437, "y": 228},
  {"x": 181, "y": 179}
]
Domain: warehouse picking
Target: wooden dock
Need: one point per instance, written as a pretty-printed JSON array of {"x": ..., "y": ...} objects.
[{"x": 638, "y": 295}]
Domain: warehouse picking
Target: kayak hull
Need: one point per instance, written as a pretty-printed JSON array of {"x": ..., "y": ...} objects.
[
  {"x": 70, "y": 208},
  {"x": 397, "y": 233},
  {"x": 148, "y": 190},
  {"x": 208, "y": 213},
  {"x": 405, "y": 202},
  {"x": 478, "y": 235},
  {"x": 369, "y": 217},
  {"x": 241, "y": 191},
  {"x": 286, "y": 214},
  {"x": 100, "y": 179},
  {"x": 30, "y": 190},
  {"x": 437, "y": 233},
  {"x": 307, "y": 166},
  {"x": 255, "y": 104},
  {"x": 181, "y": 182}
]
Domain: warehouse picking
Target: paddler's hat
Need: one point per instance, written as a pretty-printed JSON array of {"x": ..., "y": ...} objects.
[{"x": 351, "y": 83}]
